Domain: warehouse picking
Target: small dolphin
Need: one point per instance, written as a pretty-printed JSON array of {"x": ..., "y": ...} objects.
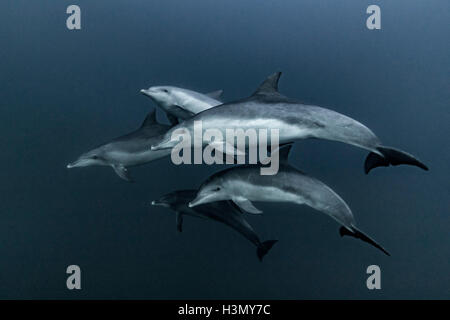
[
  {"x": 129, "y": 150},
  {"x": 268, "y": 109},
  {"x": 243, "y": 184},
  {"x": 179, "y": 103},
  {"x": 222, "y": 211}
]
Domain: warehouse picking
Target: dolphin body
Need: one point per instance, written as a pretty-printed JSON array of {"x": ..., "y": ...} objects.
[
  {"x": 267, "y": 109},
  {"x": 244, "y": 184},
  {"x": 129, "y": 150},
  {"x": 179, "y": 103},
  {"x": 222, "y": 211}
]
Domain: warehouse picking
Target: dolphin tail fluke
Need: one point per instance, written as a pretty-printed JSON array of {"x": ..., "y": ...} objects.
[
  {"x": 264, "y": 247},
  {"x": 392, "y": 157},
  {"x": 343, "y": 231}
]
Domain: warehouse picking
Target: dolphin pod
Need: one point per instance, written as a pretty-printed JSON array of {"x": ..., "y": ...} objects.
[
  {"x": 227, "y": 195},
  {"x": 133, "y": 149},
  {"x": 267, "y": 108},
  {"x": 221, "y": 211},
  {"x": 244, "y": 184}
]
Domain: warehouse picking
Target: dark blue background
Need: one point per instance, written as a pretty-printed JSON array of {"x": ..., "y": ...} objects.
[{"x": 63, "y": 92}]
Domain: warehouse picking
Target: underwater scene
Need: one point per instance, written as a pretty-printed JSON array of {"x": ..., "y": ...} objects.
[{"x": 119, "y": 180}]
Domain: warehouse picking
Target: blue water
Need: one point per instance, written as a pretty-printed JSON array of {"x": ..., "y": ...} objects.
[{"x": 64, "y": 92}]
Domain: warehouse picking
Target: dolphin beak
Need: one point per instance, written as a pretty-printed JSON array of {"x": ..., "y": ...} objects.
[
  {"x": 146, "y": 92},
  {"x": 71, "y": 165},
  {"x": 157, "y": 147},
  {"x": 203, "y": 199},
  {"x": 77, "y": 163},
  {"x": 197, "y": 201},
  {"x": 167, "y": 144},
  {"x": 159, "y": 203}
]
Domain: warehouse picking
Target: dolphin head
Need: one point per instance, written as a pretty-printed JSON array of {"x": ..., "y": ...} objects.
[
  {"x": 166, "y": 143},
  {"x": 167, "y": 201},
  {"x": 176, "y": 199},
  {"x": 162, "y": 95},
  {"x": 91, "y": 158},
  {"x": 211, "y": 190},
  {"x": 174, "y": 136}
]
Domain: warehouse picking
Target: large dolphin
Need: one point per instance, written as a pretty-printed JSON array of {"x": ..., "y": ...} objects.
[
  {"x": 179, "y": 103},
  {"x": 129, "y": 150},
  {"x": 243, "y": 184},
  {"x": 222, "y": 211},
  {"x": 267, "y": 109}
]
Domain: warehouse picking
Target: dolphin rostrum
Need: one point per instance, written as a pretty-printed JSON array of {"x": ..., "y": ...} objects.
[
  {"x": 244, "y": 184},
  {"x": 222, "y": 211},
  {"x": 129, "y": 150},
  {"x": 179, "y": 103},
  {"x": 267, "y": 109}
]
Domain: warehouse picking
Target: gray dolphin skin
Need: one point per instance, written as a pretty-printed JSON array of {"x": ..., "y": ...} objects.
[
  {"x": 129, "y": 150},
  {"x": 222, "y": 211},
  {"x": 267, "y": 109},
  {"x": 179, "y": 103},
  {"x": 244, "y": 184}
]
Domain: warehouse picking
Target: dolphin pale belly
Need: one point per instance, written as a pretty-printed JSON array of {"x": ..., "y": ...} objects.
[
  {"x": 244, "y": 184},
  {"x": 222, "y": 211},
  {"x": 267, "y": 109},
  {"x": 179, "y": 103},
  {"x": 129, "y": 150}
]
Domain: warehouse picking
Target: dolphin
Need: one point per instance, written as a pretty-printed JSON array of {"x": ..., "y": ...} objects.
[
  {"x": 179, "y": 103},
  {"x": 244, "y": 184},
  {"x": 129, "y": 150},
  {"x": 222, "y": 211},
  {"x": 267, "y": 109}
]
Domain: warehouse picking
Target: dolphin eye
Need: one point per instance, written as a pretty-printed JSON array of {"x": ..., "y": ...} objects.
[
  {"x": 165, "y": 90},
  {"x": 217, "y": 189},
  {"x": 95, "y": 157}
]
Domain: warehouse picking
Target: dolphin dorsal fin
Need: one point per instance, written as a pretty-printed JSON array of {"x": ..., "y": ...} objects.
[
  {"x": 215, "y": 94},
  {"x": 283, "y": 152},
  {"x": 270, "y": 85},
  {"x": 150, "y": 119}
]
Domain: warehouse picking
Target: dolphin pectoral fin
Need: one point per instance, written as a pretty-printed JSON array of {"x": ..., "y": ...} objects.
[
  {"x": 263, "y": 248},
  {"x": 181, "y": 113},
  {"x": 358, "y": 234},
  {"x": 122, "y": 172},
  {"x": 172, "y": 119},
  {"x": 179, "y": 220},
  {"x": 215, "y": 94},
  {"x": 246, "y": 205},
  {"x": 235, "y": 207}
]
